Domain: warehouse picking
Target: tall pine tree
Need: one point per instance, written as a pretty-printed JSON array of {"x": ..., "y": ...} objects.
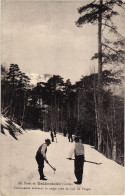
[{"x": 100, "y": 12}]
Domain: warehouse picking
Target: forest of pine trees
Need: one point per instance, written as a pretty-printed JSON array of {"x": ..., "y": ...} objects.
[{"x": 59, "y": 104}]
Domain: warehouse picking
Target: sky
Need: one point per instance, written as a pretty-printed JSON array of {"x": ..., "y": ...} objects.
[{"x": 42, "y": 38}]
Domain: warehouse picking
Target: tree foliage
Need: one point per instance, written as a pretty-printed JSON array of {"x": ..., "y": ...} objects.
[
  {"x": 112, "y": 51},
  {"x": 60, "y": 104},
  {"x": 14, "y": 93},
  {"x": 109, "y": 52}
]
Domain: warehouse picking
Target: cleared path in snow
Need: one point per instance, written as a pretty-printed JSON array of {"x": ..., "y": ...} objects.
[{"x": 20, "y": 167}]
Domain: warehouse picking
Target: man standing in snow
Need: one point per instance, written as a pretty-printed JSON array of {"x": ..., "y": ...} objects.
[
  {"x": 55, "y": 134},
  {"x": 41, "y": 156},
  {"x": 78, "y": 151},
  {"x": 52, "y": 136}
]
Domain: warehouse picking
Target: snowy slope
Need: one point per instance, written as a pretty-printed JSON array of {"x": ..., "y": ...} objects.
[
  {"x": 9, "y": 128},
  {"x": 19, "y": 174}
]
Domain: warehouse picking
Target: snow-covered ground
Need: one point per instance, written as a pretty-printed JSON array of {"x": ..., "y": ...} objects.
[{"x": 19, "y": 172}]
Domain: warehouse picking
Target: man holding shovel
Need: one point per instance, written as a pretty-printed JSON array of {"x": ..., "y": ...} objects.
[
  {"x": 41, "y": 156},
  {"x": 79, "y": 154}
]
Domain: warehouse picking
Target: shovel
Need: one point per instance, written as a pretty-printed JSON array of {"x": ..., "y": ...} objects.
[
  {"x": 52, "y": 167},
  {"x": 86, "y": 161}
]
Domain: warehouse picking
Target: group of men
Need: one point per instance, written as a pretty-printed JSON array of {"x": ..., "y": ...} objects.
[{"x": 78, "y": 151}]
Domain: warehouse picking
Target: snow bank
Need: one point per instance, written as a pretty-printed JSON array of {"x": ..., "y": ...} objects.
[
  {"x": 20, "y": 175},
  {"x": 9, "y": 128}
]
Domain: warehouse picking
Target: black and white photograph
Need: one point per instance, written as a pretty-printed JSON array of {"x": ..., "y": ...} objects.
[{"x": 62, "y": 97}]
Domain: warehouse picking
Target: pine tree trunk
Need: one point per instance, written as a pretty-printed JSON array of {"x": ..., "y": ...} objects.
[
  {"x": 78, "y": 107},
  {"x": 109, "y": 139},
  {"x": 107, "y": 147},
  {"x": 68, "y": 110},
  {"x": 51, "y": 114},
  {"x": 114, "y": 150},
  {"x": 23, "y": 115},
  {"x": 114, "y": 133},
  {"x": 58, "y": 114},
  {"x": 96, "y": 113},
  {"x": 43, "y": 121},
  {"x": 100, "y": 78}
]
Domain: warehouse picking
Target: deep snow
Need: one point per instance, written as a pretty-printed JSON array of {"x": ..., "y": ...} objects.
[{"x": 19, "y": 168}]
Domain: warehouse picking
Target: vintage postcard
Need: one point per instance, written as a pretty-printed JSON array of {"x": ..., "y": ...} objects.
[{"x": 62, "y": 97}]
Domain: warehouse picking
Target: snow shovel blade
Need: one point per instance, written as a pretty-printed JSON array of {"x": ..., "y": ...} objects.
[
  {"x": 70, "y": 159},
  {"x": 52, "y": 167}
]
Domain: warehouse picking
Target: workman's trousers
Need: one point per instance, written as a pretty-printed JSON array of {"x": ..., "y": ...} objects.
[
  {"x": 78, "y": 167},
  {"x": 70, "y": 138},
  {"x": 40, "y": 162},
  {"x": 52, "y": 137}
]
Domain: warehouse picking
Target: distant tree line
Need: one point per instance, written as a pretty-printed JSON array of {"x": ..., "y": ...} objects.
[{"x": 58, "y": 104}]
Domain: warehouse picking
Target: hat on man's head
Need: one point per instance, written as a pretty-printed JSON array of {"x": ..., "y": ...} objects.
[
  {"x": 48, "y": 141},
  {"x": 76, "y": 139}
]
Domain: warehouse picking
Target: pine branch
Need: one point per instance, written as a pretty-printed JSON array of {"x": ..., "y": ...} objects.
[
  {"x": 106, "y": 40},
  {"x": 104, "y": 26},
  {"x": 84, "y": 8},
  {"x": 113, "y": 59},
  {"x": 119, "y": 43},
  {"x": 104, "y": 49},
  {"x": 87, "y": 18},
  {"x": 112, "y": 2},
  {"x": 113, "y": 29},
  {"x": 120, "y": 4},
  {"x": 116, "y": 51}
]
